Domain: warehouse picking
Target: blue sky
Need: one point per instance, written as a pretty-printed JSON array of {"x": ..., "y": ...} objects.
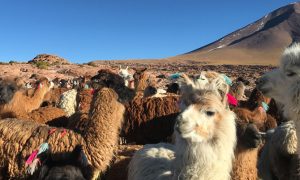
[{"x": 81, "y": 30}]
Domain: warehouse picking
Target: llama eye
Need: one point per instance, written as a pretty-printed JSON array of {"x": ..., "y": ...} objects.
[
  {"x": 210, "y": 113},
  {"x": 290, "y": 74}
]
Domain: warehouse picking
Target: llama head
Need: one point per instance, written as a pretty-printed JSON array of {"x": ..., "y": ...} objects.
[
  {"x": 45, "y": 84},
  {"x": 279, "y": 83},
  {"x": 199, "y": 120},
  {"x": 214, "y": 81},
  {"x": 138, "y": 73},
  {"x": 71, "y": 167},
  {"x": 124, "y": 73}
]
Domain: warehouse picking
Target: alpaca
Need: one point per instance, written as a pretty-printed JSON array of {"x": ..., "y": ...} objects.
[
  {"x": 128, "y": 78},
  {"x": 53, "y": 96},
  {"x": 19, "y": 138},
  {"x": 278, "y": 152},
  {"x": 7, "y": 91},
  {"x": 107, "y": 78},
  {"x": 79, "y": 121},
  {"x": 45, "y": 115},
  {"x": 68, "y": 102},
  {"x": 23, "y": 104},
  {"x": 249, "y": 125},
  {"x": 150, "y": 120},
  {"x": 142, "y": 80},
  {"x": 283, "y": 84},
  {"x": 205, "y": 141},
  {"x": 121, "y": 161},
  {"x": 238, "y": 91},
  {"x": 173, "y": 88},
  {"x": 70, "y": 167}
]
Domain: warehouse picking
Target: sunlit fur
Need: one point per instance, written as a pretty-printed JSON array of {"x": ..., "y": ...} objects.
[
  {"x": 124, "y": 73},
  {"x": 205, "y": 141},
  {"x": 283, "y": 84}
]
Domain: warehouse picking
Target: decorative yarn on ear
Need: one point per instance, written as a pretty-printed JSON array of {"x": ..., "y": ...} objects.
[
  {"x": 43, "y": 147},
  {"x": 175, "y": 76},
  {"x": 227, "y": 80},
  {"x": 33, "y": 166},
  {"x": 265, "y": 106},
  {"x": 31, "y": 157},
  {"x": 231, "y": 100}
]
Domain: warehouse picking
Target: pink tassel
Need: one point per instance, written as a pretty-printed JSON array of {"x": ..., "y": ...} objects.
[
  {"x": 231, "y": 100},
  {"x": 63, "y": 133},
  {"x": 32, "y": 157},
  {"x": 92, "y": 91},
  {"x": 33, "y": 166},
  {"x": 51, "y": 131}
]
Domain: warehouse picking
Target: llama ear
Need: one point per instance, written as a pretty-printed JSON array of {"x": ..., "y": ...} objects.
[
  {"x": 120, "y": 67},
  {"x": 126, "y": 67}
]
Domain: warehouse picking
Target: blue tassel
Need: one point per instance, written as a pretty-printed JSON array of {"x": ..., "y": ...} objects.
[
  {"x": 175, "y": 76},
  {"x": 265, "y": 106},
  {"x": 43, "y": 147},
  {"x": 227, "y": 80}
]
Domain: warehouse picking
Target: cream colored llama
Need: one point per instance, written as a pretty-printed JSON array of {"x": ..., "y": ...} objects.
[
  {"x": 283, "y": 85},
  {"x": 205, "y": 140},
  {"x": 124, "y": 73}
]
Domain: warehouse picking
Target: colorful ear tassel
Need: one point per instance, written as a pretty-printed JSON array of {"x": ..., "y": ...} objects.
[
  {"x": 31, "y": 157},
  {"x": 232, "y": 100},
  {"x": 265, "y": 106},
  {"x": 43, "y": 147},
  {"x": 227, "y": 80},
  {"x": 175, "y": 76}
]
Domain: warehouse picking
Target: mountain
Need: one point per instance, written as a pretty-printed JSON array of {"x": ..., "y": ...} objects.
[{"x": 261, "y": 42}]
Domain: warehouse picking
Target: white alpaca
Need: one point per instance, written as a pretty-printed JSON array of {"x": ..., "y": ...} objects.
[
  {"x": 68, "y": 102},
  {"x": 283, "y": 85},
  {"x": 125, "y": 75},
  {"x": 205, "y": 141}
]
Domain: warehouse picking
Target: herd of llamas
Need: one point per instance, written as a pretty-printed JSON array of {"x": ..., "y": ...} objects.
[{"x": 119, "y": 125}]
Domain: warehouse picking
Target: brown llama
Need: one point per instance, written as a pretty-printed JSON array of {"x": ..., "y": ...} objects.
[
  {"x": 22, "y": 104},
  {"x": 20, "y": 138}
]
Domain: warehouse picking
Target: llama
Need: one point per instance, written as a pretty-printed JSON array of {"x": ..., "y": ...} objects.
[
  {"x": 20, "y": 138},
  {"x": 142, "y": 79},
  {"x": 283, "y": 85},
  {"x": 249, "y": 124},
  {"x": 68, "y": 102},
  {"x": 107, "y": 78},
  {"x": 23, "y": 104},
  {"x": 71, "y": 167},
  {"x": 238, "y": 91},
  {"x": 150, "y": 120},
  {"x": 277, "y": 156},
  {"x": 205, "y": 141},
  {"x": 128, "y": 78}
]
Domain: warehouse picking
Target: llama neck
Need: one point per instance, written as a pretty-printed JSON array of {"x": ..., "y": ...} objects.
[
  {"x": 103, "y": 130},
  {"x": 207, "y": 160},
  {"x": 37, "y": 99}
]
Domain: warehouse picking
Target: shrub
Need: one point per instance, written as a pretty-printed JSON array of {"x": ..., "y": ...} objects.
[{"x": 42, "y": 64}]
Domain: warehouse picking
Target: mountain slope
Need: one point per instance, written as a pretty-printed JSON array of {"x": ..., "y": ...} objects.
[{"x": 258, "y": 43}]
